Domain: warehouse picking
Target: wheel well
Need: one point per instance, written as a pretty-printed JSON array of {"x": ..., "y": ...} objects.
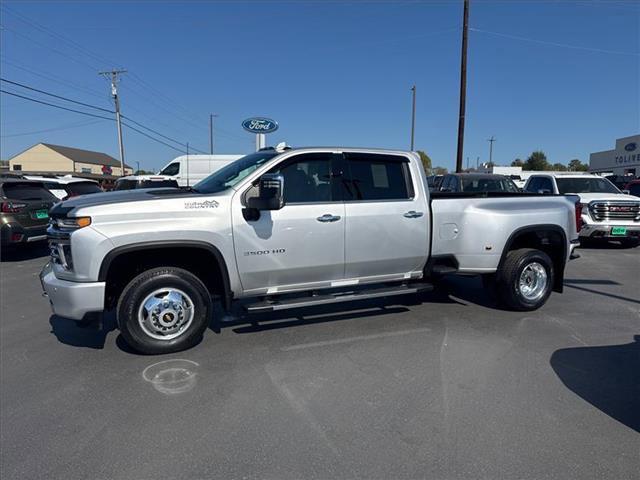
[
  {"x": 120, "y": 268},
  {"x": 552, "y": 241}
]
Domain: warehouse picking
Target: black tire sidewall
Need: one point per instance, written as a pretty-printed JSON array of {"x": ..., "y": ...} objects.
[
  {"x": 143, "y": 285},
  {"x": 514, "y": 298}
]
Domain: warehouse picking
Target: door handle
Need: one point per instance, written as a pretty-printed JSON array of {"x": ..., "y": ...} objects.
[
  {"x": 327, "y": 217},
  {"x": 413, "y": 214}
]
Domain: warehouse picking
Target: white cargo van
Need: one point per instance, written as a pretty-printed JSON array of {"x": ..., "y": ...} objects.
[{"x": 188, "y": 170}]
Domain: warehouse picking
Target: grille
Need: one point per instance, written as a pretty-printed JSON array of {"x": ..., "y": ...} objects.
[{"x": 601, "y": 211}]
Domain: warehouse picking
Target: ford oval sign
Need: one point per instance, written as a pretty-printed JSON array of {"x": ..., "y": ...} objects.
[
  {"x": 260, "y": 125},
  {"x": 630, "y": 147}
]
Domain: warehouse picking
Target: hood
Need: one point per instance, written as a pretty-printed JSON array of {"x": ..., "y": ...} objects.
[
  {"x": 611, "y": 197},
  {"x": 124, "y": 196}
]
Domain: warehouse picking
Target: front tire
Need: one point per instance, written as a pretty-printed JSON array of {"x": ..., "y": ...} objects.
[
  {"x": 525, "y": 280},
  {"x": 164, "y": 310}
]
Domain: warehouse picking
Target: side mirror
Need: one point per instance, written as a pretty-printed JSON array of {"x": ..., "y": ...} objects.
[
  {"x": 269, "y": 196},
  {"x": 626, "y": 192},
  {"x": 544, "y": 191}
]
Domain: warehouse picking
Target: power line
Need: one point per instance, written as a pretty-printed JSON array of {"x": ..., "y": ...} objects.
[
  {"x": 54, "y": 105},
  {"x": 55, "y": 96},
  {"x": 152, "y": 138},
  {"x": 50, "y": 77},
  {"x": 55, "y": 129},
  {"x": 90, "y": 115},
  {"x": 160, "y": 134},
  {"x": 56, "y": 35},
  {"x": 554, "y": 44}
]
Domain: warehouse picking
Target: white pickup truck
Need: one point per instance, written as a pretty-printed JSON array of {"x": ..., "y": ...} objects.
[
  {"x": 281, "y": 229},
  {"x": 606, "y": 212}
]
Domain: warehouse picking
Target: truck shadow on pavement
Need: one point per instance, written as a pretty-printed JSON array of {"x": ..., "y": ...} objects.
[
  {"x": 577, "y": 284},
  {"x": 608, "y": 377},
  {"x": 242, "y": 322},
  {"x": 21, "y": 253},
  {"x": 90, "y": 336}
]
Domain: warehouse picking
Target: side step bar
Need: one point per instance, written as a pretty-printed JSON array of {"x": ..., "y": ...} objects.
[{"x": 336, "y": 297}]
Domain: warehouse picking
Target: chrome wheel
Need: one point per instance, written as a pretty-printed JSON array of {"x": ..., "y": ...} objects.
[
  {"x": 533, "y": 281},
  {"x": 165, "y": 313}
]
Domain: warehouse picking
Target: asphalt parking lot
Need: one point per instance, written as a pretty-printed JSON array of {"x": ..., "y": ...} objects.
[{"x": 448, "y": 388}]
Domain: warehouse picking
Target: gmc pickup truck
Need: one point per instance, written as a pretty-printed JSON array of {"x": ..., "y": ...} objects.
[
  {"x": 289, "y": 228},
  {"x": 607, "y": 213}
]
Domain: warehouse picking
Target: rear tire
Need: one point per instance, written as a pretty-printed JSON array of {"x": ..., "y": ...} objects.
[
  {"x": 164, "y": 310},
  {"x": 525, "y": 280}
]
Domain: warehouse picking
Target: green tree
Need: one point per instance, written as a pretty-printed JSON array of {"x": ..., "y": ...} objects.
[
  {"x": 426, "y": 161},
  {"x": 537, "y": 161},
  {"x": 517, "y": 163},
  {"x": 576, "y": 165},
  {"x": 559, "y": 167},
  {"x": 440, "y": 171}
]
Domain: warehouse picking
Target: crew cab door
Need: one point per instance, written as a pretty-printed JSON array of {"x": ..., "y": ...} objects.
[
  {"x": 302, "y": 244},
  {"x": 387, "y": 231}
]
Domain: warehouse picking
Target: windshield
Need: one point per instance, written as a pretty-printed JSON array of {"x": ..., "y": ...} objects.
[
  {"x": 585, "y": 185},
  {"x": 230, "y": 175},
  {"x": 488, "y": 185}
]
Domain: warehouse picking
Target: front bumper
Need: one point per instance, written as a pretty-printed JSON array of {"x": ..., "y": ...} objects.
[
  {"x": 72, "y": 299},
  {"x": 597, "y": 230},
  {"x": 26, "y": 234}
]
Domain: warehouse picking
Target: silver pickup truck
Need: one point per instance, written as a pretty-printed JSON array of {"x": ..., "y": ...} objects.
[{"x": 291, "y": 228}]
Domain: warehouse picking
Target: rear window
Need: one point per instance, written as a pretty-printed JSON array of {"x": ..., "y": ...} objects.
[
  {"x": 125, "y": 184},
  {"x": 488, "y": 185},
  {"x": 82, "y": 188},
  {"x": 26, "y": 191}
]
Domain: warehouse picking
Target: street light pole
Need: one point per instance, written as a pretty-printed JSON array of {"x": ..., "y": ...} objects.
[{"x": 491, "y": 140}]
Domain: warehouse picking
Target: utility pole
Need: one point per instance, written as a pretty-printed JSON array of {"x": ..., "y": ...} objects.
[
  {"x": 113, "y": 74},
  {"x": 463, "y": 85},
  {"x": 211, "y": 117},
  {"x": 413, "y": 116},
  {"x": 138, "y": 166},
  {"x": 491, "y": 140},
  {"x": 477, "y": 162}
]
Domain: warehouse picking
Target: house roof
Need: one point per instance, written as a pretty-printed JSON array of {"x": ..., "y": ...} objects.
[{"x": 85, "y": 156}]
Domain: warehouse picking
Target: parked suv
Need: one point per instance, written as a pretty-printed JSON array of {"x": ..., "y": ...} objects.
[
  {"x": 67, "y": 187},
  {"x": 607, "y": 213},
  {"x": 24, "y": 211},
  {"x": 477, "y": 182}
]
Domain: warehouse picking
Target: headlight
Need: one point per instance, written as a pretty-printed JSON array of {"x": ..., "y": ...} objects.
[{"x": 73, "y": 222}]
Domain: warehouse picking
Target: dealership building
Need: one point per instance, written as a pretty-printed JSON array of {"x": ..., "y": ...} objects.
[
  {"x": 47, "y": 159},
  {"x": 622, "y": 160}
]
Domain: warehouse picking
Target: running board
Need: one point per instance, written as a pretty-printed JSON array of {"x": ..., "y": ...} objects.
[{"x": 336, "y": 297}]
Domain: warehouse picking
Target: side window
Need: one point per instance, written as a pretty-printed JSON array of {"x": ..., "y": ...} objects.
[
  {"x": 376, "y": 177},
  {"x": 454, "y": 184},
  {"x": 545, "y": 184},
  {"x": 446, "y": 182},
  {"x": 532, "y": 186},
  {"x": 307, "y": 178},
  {"x": 171, "y": 169}
]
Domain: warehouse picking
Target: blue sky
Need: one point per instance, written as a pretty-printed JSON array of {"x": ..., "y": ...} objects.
[{"x": 331, "y": 73}]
